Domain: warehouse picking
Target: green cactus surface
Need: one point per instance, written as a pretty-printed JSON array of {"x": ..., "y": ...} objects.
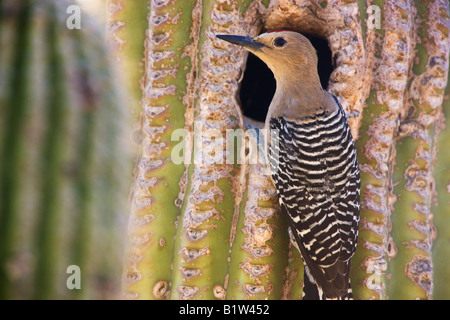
[{"x": 215, "y": 230}]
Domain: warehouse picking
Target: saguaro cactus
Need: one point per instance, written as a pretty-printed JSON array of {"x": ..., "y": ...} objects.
[
  {"x": 398, "y": 151},
  {"x": 205, "y": 228},
  {"x": 64, "y": 161}
]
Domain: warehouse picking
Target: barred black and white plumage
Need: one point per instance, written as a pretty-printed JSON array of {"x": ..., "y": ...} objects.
[
  {"x": 312, "y": 160},
  {"x": 316, "y": 173}
]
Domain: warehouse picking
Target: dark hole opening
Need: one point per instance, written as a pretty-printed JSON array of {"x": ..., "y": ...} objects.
[{"x": 258, "y": 85}]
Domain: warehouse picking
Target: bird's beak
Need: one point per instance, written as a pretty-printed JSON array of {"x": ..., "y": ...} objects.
[{"x": 246, "y": 42}]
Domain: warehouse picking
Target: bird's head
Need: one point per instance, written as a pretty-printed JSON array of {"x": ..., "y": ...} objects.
[{"x": 288, "y": 54}]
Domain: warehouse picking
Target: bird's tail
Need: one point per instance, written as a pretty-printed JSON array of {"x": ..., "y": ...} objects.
[{"x": 312, "y": 291}]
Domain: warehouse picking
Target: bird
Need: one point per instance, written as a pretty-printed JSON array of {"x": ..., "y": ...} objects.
[{"x": 312, "y": 161}]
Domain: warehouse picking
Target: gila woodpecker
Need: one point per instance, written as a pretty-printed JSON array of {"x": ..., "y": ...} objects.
[{"x": 313, "y": 164}]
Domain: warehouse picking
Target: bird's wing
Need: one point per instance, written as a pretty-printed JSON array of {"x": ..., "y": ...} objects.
[{"x": 315, "y": 170}]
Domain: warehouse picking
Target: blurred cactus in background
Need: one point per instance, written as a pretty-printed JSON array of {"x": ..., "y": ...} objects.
[{"x": 65, "y": 161}]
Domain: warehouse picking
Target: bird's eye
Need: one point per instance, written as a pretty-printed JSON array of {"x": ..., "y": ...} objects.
[{"x": 279, "y": 42}]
